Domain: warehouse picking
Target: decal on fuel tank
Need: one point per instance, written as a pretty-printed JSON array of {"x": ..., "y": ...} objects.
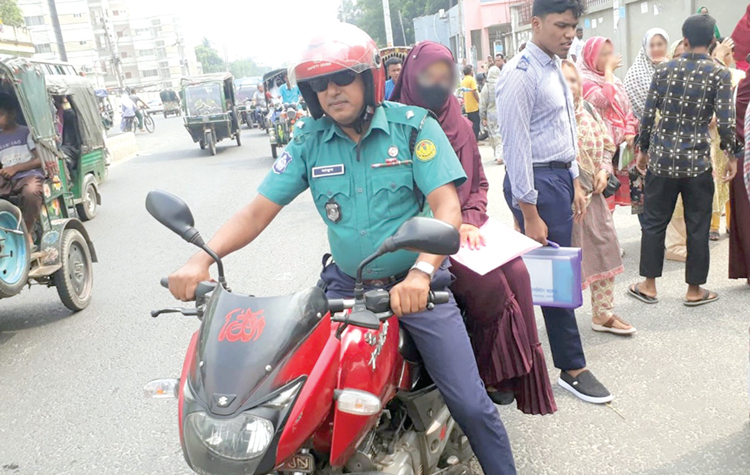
[{"x": 244, "y": 325}]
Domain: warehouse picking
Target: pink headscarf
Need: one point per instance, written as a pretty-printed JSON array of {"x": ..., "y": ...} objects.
[{"x": 619, "y": 115}]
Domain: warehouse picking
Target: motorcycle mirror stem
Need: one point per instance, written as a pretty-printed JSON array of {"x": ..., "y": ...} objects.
[{"x": 175, "y": 214}]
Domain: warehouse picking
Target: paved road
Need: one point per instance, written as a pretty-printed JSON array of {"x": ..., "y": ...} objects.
[{"x": 71, "y": 384}]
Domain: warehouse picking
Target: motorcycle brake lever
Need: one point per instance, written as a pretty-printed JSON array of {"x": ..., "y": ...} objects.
[{"x": 188, "y": 312}]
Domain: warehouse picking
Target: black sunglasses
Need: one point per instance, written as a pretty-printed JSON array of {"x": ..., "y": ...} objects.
[{"x": 341, "y": 78}]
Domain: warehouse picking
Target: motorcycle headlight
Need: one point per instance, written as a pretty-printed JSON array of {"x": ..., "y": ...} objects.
[
  {"x": 241, "y": 438},
  {"x": 291, "y": 113}
]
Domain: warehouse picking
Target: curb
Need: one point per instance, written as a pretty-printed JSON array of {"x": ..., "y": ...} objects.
[{"x": 122, "y": 147}]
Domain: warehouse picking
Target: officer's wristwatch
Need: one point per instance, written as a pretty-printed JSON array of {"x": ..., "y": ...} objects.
[{"x": 425, "y": 267}]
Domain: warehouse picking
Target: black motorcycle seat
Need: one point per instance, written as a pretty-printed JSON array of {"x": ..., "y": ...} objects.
[{"x": 408, "y": 348}]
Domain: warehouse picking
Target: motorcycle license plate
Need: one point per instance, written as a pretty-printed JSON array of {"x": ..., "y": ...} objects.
[{"x": 304, "y": 463}]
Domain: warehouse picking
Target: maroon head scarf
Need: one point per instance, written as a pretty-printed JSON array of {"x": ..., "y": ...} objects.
[
  {"x": 457, "y": 128},
  {"x": 741, "y": 37}
]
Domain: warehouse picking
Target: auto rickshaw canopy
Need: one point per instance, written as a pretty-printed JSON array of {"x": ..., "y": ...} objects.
[{"x": 83, "y": 99}]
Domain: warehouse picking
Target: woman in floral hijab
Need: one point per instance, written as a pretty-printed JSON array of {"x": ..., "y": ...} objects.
[
  {"x": 638, "y": 79},
  {"x": 596, "y": 235}
]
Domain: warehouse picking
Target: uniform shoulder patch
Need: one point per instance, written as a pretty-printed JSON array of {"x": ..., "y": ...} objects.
[
  {"x": 523, "y": 63},
  {"x": 425, "y": 150},
  {"x": 282, "y": 162}
]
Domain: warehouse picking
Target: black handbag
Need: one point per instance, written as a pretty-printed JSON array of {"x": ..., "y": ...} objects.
[{"x": 613, "y": 184}]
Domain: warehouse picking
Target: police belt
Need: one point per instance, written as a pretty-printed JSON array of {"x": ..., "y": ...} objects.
[
  {"x": 386, "y": 281},
  {"x": 563, "y": 165}
]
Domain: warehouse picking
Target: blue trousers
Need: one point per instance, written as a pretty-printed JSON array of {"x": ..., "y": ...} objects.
[
  {"x": 442, "y": 341},
  {"x": 555, "y": 207}
]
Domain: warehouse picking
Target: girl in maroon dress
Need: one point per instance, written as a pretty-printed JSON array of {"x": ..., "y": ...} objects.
[{"x": 498, "y": 306}]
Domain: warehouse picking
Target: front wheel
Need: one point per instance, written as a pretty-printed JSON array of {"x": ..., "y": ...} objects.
[
  {"x": 14, "y": 263},
  {"x": 148, "y": 122},
  {"x": 75, "y": 279},
  {"x": 87, "y": 210}
]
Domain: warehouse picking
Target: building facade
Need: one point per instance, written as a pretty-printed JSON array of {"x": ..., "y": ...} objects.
[{"x": 114, "y": 46}]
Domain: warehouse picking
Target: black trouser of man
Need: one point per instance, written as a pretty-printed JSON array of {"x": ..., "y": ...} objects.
[
  {"x": 475, "y": 122},
  {"x": 555, "y": 207},
  {"x": 659, "y": 203}
]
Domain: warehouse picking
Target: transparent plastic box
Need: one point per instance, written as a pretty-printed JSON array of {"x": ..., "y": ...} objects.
[{"x": 555, "y": 276}]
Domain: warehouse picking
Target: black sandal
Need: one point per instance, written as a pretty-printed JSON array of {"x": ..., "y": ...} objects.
[
  {"x": 635, "y": 293},
  {"x": 703, "y": 301}
]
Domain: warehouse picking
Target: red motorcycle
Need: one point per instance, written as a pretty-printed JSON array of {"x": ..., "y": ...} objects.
[{"x": 304, "y": 384}]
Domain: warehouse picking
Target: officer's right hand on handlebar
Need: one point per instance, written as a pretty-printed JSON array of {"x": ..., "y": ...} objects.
[
  {"x": 182, "y": 283},
  {"x": 410, "y": 296}
]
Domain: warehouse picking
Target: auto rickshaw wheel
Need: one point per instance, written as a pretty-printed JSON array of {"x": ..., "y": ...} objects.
[
  {"x": 75, "y": 279},
  {"x": 14, "y": 253},
  {"x": 211, "y": 142},
  {"x": 165, "y": 114},
  {"x": 274, "y": 151},
  {"x": 88, "y": 209}
]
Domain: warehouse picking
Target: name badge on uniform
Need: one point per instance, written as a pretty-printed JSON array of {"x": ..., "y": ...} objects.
[
  {"x": 333, "y": 211},
  {"x": 329, "y": 170}
]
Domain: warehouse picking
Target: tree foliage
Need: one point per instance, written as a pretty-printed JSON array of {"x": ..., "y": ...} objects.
[
  {"x": 10, "y": 14},
  {"x": 209, "y": 57},
  {"x": 368, "y": 15},
  {"x": 246, "y": 67}
]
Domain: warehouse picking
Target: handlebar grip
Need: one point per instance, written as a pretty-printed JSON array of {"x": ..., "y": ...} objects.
[
  {"x": 438, "y": 298},
  {"x": 336, "y": 305},
  {"x": 164, "y": 282}
]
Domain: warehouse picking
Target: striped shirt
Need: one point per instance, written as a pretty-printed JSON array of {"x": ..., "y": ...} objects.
[{"x": 536, "y": 117}]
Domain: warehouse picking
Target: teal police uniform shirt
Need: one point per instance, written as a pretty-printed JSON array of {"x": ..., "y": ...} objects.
[{"x": 363, "y": 205}]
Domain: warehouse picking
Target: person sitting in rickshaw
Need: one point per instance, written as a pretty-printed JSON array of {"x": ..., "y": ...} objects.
[{"x": 21, "y": 175}]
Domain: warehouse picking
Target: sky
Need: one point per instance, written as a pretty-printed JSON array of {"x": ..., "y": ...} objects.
[{"x": 270, "y": 31}]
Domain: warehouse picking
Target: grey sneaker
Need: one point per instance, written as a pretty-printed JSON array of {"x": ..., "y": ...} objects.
[{"x": 585, "y": 387}]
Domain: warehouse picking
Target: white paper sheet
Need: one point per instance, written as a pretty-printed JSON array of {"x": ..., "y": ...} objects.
[{"x": 503, "y": 244}]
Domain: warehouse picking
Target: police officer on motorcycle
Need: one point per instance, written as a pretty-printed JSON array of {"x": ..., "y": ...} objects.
[{"x": 370, "y": 166}]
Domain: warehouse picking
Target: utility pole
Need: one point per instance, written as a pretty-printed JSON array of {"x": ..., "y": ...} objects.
[
  {"x": 112, "y": 47},
  {"x": 403, "y": 33},
  {"x": 460, "y": 46},
  {"x": 388, "y": 28},
  {"x": 184, "y": 66}
]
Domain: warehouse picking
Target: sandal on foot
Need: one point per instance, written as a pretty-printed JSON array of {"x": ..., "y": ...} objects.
[
  {"x": 714, "y": 236},
  {"x": 609, "y": 326},
  {"x": 635, "y": 293},
  {"x": 707, "y": 298}
]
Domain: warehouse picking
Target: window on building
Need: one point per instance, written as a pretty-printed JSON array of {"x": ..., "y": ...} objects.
[
  {"x": 115, "y": 12},
  {"x": 34, "y": 20},
  {"x": 161, "y": 53},
  {"x": 43, "y": 48},
  {"x": 120, "y": 33},
  {"x": 82, "y": 42},
  {"x": 148, "y": 73},
  {"x": 128, "y": 75},
  {"x": 145, "y": 52},
  {"x": 156, "y": 22},
  {"x": 124, "y": 54},
  {"x": 165, "y": 73},
  {"x": 159, "y": 44},
  {"x": 77, "y": 15},
  {"x": 163, "y": 64}
]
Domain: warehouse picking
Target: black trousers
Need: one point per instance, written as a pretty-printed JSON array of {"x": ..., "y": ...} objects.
[
  {"x": 475, "y": 122},
  {"x": 660, "y": 199}
]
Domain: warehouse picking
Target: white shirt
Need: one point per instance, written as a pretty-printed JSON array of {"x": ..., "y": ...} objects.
[{"x": 576, "y": 48}]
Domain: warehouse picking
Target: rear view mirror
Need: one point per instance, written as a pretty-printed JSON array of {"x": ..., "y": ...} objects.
[
  {"x": 424, "y": 235},
  {"x": 173, "y": 213}
]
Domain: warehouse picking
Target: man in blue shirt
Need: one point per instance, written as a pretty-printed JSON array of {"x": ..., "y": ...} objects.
[
  {"x": 289, "y": 93},
  {"x": 354, "y": 154},
  {"x": 538, "y": 126},
  {"x": 393, "y": 68}
]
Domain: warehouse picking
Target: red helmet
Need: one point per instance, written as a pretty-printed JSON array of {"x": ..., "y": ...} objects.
[{"x": 341, "y": 47}]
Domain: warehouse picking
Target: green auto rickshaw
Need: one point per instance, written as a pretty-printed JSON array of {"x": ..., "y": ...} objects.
[
  {"x": 171, "y": 102},
  {"x": 210, "y": 109},
  {"x": 63, "y": 254},
  {"x": 81, "y": 140}
]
